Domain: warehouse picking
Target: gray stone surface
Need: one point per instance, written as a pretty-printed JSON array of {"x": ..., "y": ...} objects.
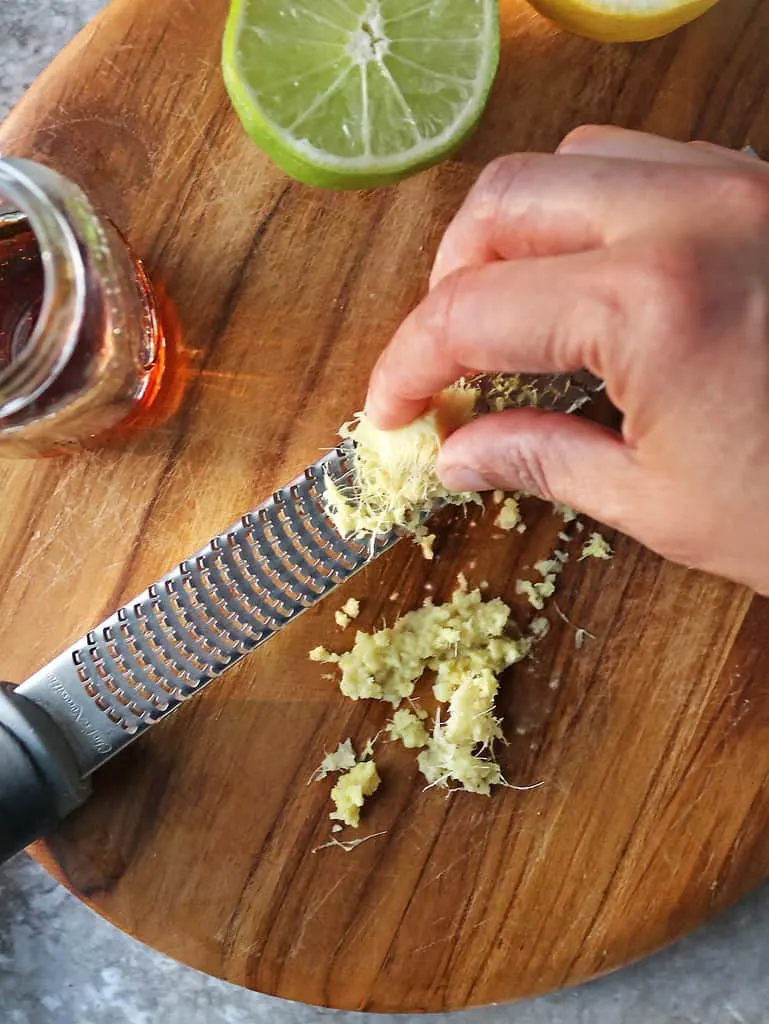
[{"x": 61, "y": 964}]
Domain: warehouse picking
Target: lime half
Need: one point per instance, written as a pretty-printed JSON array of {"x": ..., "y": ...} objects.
[{"x": 358, "y": 93}]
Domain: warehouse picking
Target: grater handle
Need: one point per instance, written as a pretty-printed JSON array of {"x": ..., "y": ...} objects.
[{"x": 40, "y": 783}]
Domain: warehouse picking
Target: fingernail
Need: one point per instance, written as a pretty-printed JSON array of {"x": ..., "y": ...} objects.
[{"x": 464, "y": 478}]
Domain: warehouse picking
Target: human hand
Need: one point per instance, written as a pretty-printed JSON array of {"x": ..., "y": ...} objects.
[{"x": 646, "y": 262}]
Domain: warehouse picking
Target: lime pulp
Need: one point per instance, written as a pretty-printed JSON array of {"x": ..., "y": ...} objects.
[{"x": 357, "y": 93}]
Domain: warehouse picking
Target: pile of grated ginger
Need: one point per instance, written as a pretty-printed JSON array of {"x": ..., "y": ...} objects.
[{"x": 467, "y": 643}]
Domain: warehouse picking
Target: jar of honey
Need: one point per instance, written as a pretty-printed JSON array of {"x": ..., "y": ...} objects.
[{"x": 81, "y": 346}]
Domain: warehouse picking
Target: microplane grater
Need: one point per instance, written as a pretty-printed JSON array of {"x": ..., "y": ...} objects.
[
  {"x": 189, "y": 627},
  {"x": 167, "y": 644}
]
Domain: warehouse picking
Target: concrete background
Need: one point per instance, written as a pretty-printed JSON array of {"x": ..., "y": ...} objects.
[{"x": 61, "y": 964}]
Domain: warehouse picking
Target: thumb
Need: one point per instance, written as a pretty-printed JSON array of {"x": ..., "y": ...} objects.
[{"x": 557, "y": 457}]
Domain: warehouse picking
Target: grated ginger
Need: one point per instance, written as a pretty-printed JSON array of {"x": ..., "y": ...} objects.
[
  {"x": 494, "y": 654},
  {"x": 368, "y": 750},
  {"x": 347, "y": 845},
  {"x": 408, "y": 727},
  {"x": 426, "y": 543},
  {"x": 549, "y": 569},
  {"x": 359, "y": 778},
  {"x": 511, "y": 391},
  {"x": 536, "y": 593},
  {"x": 443, "y": 762},
  {"x": 395, "y": 481},
  {"x": 539, "y": 627},
  {"x": 509, "y": 517},
  {"x": 462, "y": 634},
  {"x": 322, "y": 654},
  {"x": 340, "y": 760},
  {"x": 597, "y": 546},
  {"x": 395, "y": 485},
  {"x": 567, "y": 514},
  {"x": 464, "y": 643},
  {"x": 471, "y": 718},
  {"x": 517, "y": 391},
  {"x": 350, "y": 792},
  {"x": 350, "y": 610}
]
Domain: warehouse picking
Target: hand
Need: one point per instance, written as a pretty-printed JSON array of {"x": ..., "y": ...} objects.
[{"x": 647, "y": 262}]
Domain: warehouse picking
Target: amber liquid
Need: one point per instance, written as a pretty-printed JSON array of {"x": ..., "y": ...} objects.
[
  {"x": 21, "y": 287},
  {"x": 21, "y": 297}
]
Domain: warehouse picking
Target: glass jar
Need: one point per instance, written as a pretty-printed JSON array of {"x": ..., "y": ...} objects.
[{"x": 81, "y": 347}]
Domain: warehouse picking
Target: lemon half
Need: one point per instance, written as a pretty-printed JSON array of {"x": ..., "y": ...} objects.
[{"x": 622, "y": 21}]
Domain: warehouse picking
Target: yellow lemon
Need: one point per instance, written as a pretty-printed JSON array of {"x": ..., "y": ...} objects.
[{"x": 622, "y": 21}]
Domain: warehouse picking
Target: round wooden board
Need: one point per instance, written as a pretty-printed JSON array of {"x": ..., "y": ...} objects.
[{"x": 652, "y": 742}]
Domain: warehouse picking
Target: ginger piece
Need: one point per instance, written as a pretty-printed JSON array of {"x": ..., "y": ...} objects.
[
  {"x": 320, "y": 653},
  {"x": 386, "y": 665},
  {"x": 339, "y": 760},
  {"x": 408, "y": 727},
  {"x": 509, "y": 517},
  {"x": 443, "y": 762},
  {"x": 464, "y": 643},
  {"x": 597, "y": 546},
  {"x": 350, "y": 792},
  {"x": 395, "y": 478}
]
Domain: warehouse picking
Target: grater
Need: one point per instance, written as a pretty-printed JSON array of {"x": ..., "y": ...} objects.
[
  {"x": 167, "y": 644},
  {"x": 189, "y": 627}
]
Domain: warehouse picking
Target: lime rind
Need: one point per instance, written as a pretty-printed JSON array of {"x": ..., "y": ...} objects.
[{"x": 360, "y": 93}]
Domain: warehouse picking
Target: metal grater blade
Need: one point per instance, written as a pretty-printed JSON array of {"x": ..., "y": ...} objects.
[{"x": 167, "y": 644}]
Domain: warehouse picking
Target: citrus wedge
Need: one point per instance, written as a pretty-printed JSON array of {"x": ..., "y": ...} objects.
[
  {"x": 622, "y": 21},
  {"x": 358, "y": 93}
]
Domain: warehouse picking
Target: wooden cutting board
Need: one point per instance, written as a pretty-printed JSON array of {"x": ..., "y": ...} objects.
[{"x": 652, "y": 741}]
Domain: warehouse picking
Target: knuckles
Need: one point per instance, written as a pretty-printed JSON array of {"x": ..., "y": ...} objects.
[
  {"x": 681, "y": 287},
  {"x": 498, "y": 179},
  {"x": 579, "y": 139},
  {"x": 522, "y": 467},
  {"x": 671, "y": 286},
  {"x": 742, "y": 196},
  {"x": 436, "y": 318}
]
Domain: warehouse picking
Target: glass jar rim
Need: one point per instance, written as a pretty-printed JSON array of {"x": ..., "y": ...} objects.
[{"x": 55, "y": 334}]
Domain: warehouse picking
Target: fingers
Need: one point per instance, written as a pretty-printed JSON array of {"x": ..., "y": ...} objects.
[
  {"x": 554, "y": 456},
  {"x": 746, "y": 160},
  {"x": 621, "y": 144},
  {"x": 573, "y": 212},
  {"x": 507, "y": 216},
  {"x": 532, "y": 205},
  {"x": 530, "y": 316},
  {"x": 535, "y": 205}
]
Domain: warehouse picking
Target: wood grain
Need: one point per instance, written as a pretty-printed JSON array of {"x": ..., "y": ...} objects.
[{"x": 652, "y": 741}]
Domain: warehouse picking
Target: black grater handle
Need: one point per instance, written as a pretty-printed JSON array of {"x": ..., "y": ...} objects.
[{"x": 40, "y": 783}]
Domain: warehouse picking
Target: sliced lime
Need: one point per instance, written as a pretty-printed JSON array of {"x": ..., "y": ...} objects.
[{"x": 357, "y": 93}]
